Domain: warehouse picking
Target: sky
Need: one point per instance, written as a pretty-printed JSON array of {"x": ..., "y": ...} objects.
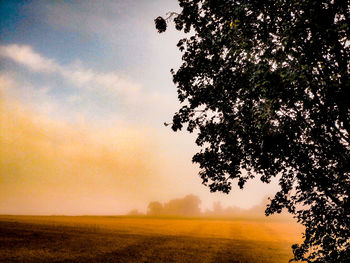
[{"x": 85, "y": 88}]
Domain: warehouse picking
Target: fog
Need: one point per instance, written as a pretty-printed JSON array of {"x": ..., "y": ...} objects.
[
  {"x": 49, "y": 166},
  {"x": 189, "y": 206}
]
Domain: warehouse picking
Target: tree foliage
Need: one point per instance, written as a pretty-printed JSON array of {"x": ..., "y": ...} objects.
[
  {"x": 187, "y": 206},
  {"x": 265, "y": 84}
]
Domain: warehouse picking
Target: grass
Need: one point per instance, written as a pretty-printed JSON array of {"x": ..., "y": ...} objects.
[{"x": 140, "y": 239}]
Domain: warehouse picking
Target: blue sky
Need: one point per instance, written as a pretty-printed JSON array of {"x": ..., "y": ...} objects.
[
  {"x": 95, "y": 74},
  {"x": 102, "y": 37}
]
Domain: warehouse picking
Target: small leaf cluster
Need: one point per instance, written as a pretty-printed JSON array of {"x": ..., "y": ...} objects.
[{"x": 160, "y": 24}]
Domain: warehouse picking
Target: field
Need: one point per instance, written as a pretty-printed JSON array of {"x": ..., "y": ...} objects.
[{"x": 141, "y": 239}]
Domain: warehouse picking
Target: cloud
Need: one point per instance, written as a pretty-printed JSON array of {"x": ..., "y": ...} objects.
[
  {"x": 25, "y": 55},
  {"x": 109, "y": 84},
  {"x": 76, "y": 74},
  {"x": 51, "y": 167}
]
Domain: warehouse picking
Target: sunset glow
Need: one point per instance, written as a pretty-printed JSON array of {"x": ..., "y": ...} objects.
[{"x": 85, "y": 89}]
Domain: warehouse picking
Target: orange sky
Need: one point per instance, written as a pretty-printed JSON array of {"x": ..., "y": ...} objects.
[
  {"x": 51, "y": 166},
  {"x": 85, "y": 89}
]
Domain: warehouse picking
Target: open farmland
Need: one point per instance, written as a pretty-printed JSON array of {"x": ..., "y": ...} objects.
[{"x": 142, "y": 239}]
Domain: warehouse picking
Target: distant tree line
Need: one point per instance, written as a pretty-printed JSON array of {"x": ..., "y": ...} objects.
[
  {"x": 187, "y": 206},
  {"x": 190, "y": 206}
]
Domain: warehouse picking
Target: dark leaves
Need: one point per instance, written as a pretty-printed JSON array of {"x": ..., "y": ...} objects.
[
  {"x": 160, "y": 24},
  {"x": 265, "y": 84}
]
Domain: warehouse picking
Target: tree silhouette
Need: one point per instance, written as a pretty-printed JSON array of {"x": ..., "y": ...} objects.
[
  {"x": 155, "y": 208},
  {"x": 266, "y": 86},
  {"x": 186, "y": 206}
]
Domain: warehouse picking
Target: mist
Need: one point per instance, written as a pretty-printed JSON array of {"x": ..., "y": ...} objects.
[
  {"x": 190, "y": 206},
  {"x": 52, "y": 167}
]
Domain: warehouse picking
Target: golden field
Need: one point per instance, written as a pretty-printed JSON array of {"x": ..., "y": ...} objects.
[{"x": 145, "y": 239}]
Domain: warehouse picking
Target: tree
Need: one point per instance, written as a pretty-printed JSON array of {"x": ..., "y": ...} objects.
[
  {"x": 154, "y": 208},
  {"x": 266, "y": 86},
  {"x": 186, "y": 206}
]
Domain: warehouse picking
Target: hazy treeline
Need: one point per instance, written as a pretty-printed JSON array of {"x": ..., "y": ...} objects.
[
  {"x": 190, "y": 206},
  {"x": 187, "y": 206}
]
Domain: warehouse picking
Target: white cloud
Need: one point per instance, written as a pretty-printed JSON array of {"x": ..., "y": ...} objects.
[
  {"x": 97, "y": 81},
  {"x": 24, "y": 93},
  {"x": 79, "y": 76},
  {"x": 136, "y": 101},
  {"x": 26, "y": 56}
]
